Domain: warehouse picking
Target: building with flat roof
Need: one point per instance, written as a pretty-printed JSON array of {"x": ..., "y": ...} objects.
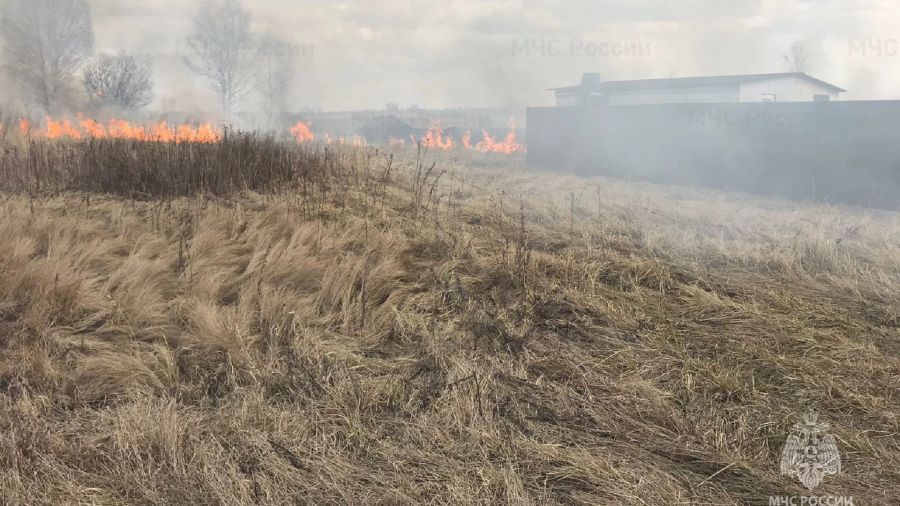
[{"x": 780, "y": 87}]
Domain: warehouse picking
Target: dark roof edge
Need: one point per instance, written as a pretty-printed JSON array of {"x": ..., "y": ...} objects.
[
  {"x": 745, "y": 77},
  {"x": 821, "y": 82}
]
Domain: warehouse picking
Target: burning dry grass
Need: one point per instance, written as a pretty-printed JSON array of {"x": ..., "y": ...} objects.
[{"x": 399, "y": 335}]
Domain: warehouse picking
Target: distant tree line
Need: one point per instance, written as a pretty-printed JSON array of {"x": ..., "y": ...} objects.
[{"x": 48, "y": 50}]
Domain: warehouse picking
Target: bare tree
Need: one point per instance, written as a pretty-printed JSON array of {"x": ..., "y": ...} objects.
[
  {"x": 123, "y": 80},
  {"x": 277, "y": 68},
  {"x": 223, "y": 50},
  {"x": 797, "y": 59},
  {"x": 45, "y": 43}
]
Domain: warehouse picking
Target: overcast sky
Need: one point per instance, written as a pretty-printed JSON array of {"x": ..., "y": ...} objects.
[{"x": 361, "y": 54}]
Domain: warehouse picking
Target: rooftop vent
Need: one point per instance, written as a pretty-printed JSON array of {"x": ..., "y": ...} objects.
[{"x": 591, "y": 81}]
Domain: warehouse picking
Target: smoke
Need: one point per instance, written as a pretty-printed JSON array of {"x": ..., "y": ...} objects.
[{"x": 362, "y": 54}]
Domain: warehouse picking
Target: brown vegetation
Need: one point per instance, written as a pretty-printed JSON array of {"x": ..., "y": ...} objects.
[{"x": 251, "y": 323}]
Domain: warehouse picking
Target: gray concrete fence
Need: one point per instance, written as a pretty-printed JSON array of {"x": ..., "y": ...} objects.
[{"x": 839, "y": 152}]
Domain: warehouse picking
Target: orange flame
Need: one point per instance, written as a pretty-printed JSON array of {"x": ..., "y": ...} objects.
[
  {"x": 120, "y": 129},
  {"x": 467, "y": 140},
  {"x": 93, "y": 128},
  {"x": 57, "y": 129},
  {"x": 89, "y": 128},
  {"x": 434, "y": 139},
  {"x": 506, "y": 146},
  {"x": 302, "y": 133}
]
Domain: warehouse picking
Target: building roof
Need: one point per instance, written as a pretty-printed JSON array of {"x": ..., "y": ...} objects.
[{"x": 692, "y": 82}]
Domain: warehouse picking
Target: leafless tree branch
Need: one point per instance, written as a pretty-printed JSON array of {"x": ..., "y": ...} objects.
[
  {"x": 45, "y": 43},
  {"x": 277, "y": 69},
  {"x": 123, "y": 80},
  {"x": 797, "y": 59},
  {"x": 223, "y": 50}
]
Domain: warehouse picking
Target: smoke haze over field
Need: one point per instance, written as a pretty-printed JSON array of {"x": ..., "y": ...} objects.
[{"x": 504, "y": 53}]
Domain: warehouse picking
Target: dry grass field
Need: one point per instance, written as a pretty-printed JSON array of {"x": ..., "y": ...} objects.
[{"x": 248, "y": 323}]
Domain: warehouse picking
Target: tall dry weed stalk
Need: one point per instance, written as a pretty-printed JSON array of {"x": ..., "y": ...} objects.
[
  {"x": 153, "y": 170},
  {"x": 424, "y": 184}
]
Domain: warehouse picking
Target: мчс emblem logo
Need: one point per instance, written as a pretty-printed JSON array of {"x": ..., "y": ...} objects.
[{"x": 809, "y": 453}]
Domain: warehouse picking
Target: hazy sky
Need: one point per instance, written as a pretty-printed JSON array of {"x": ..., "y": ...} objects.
[{"x": 448, "y": 53}]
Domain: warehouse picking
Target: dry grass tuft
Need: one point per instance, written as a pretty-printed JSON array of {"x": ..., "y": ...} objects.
[{"x": 348, "y": 328}]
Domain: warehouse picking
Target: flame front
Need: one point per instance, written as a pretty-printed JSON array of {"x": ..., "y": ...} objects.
[
  {"x": 507, "y": 146},
  {"x": 205, "y": 133},
  {"x": 89, "y": 128},
  {"x": 57, "y": 129},
  {"x": 467, "y": 140},
  {"x": 434, "y": 138},
  {"x": 302, "y": 132}
]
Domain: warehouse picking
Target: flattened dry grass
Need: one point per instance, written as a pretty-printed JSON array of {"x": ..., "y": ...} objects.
[{"x": 486, "y": 335}]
